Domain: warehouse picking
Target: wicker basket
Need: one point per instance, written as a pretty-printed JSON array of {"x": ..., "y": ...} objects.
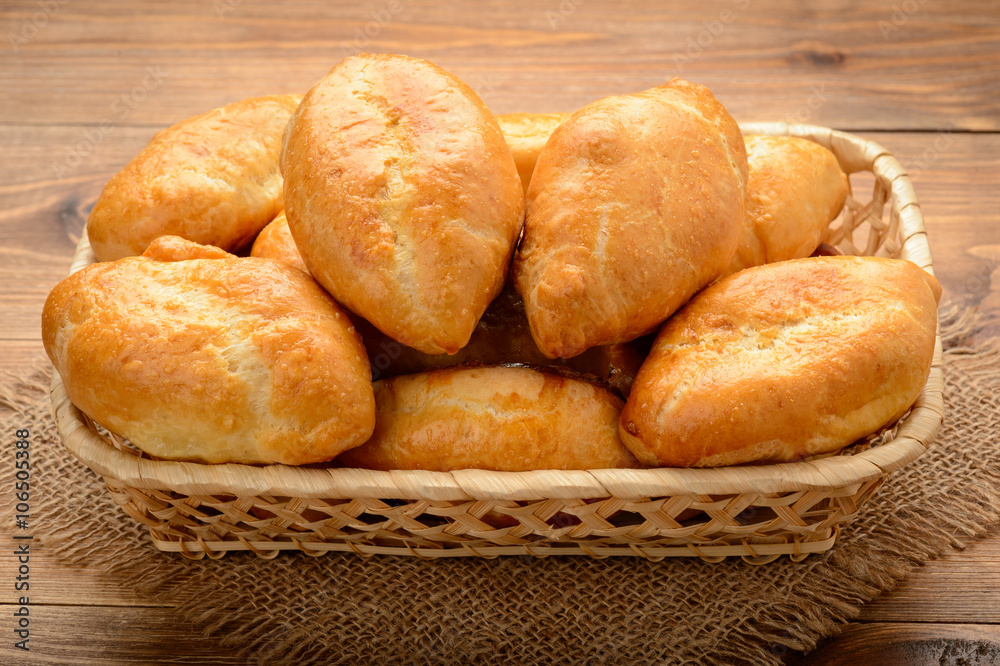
[{"x": 758, "y": 513}]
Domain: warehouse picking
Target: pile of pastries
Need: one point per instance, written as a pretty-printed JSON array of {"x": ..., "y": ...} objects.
[{"x": 383, "y": 274}]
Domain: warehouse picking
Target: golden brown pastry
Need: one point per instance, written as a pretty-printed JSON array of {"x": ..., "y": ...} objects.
[
  {"x": 504, "y": 419},
  {"x": 211, "y": 359},
  {"x": 526, "y": 134},
  {"x": 635, "y": 204},
  {"x": 501, "y": 337},
  {"x": 276, "y": 242},
  {"x": 795, "y": 189},
  {"x": 784, "y": 361},
  {"x": 212, "y": 179},
  {"x": 175, "y": 248},
  {"x": 402, "y": 197}
]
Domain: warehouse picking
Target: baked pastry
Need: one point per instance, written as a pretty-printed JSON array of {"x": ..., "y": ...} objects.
[
  {"x": 503, "y": 418},
  {"x": 175, "y": 248},
  {"x": 402, "y": 197},
  {"x": 636, "y": 203},
  {"x": 795, "y": 189},
  {"x": 212, "y": 179},
  {"x": 211, "y": 359},
  {"x": 784, "y": 361},
  {"x": 275, "y": 242},
  {"x": 501, "y": 337},
  {"x": 526, "y": 134}
]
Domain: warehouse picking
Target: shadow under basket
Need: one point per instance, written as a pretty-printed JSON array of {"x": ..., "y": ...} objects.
[{"x": 755, "y": 512}]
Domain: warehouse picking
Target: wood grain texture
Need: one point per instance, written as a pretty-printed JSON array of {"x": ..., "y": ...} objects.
[
  {"x": 101, "y": 635},
  {"x": 41, "y": 216},
  {"x": 53, "y": 581},
  {"x": 86, "y": 84},
  {"x": 870, "y": 65},
  {"x": 899, "y": 644},
  {"x": 963, "y": 587}
]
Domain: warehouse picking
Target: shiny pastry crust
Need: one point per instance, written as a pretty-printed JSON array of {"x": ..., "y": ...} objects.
[
  {"x": 212, "y": 179},
  {"x": 276, "y": 242},
  {"x": 501, "y": 337},
  {"x": 795, "y": 189},
  {"x": 402, "y": 197},
  {"x": 175, "y": 248},
  {"x": 504, "y": 419},
  {"x": 526, "y": 134},
  {"x": 211, "y": 360},
  {"x": 635, "y": 204},
  {"x": 784, "y": 361}
]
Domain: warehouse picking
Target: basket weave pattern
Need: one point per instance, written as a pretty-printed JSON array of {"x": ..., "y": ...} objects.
[{"x": 755, "y": 512}]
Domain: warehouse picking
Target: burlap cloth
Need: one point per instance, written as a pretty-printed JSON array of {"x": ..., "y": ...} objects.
[{"x": 349, "y": 609}]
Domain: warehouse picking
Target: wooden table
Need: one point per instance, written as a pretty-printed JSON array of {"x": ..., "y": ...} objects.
[{"x": 86, "y": 84}]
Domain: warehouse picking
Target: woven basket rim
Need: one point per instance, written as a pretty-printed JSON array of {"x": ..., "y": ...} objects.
[{"x": 915, "y": 434}]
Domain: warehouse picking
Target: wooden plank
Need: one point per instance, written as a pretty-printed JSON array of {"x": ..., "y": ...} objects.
[
  {"x": 96, "y": 635},
  {"x": 962, "y": 587},
  {"x": 954, "y": 178},
  {"x": 912, "y": 64},
  {"x": 103, "y": 635},
  {"x": 42, "y": 214},
  {"x": 20, "y": 357},
  {"x": 898, "y": 644},
  {"x": 53, "y": 581}
]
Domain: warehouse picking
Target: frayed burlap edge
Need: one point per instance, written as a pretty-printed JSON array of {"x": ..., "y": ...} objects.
[{"x": 282, "y": 611}]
